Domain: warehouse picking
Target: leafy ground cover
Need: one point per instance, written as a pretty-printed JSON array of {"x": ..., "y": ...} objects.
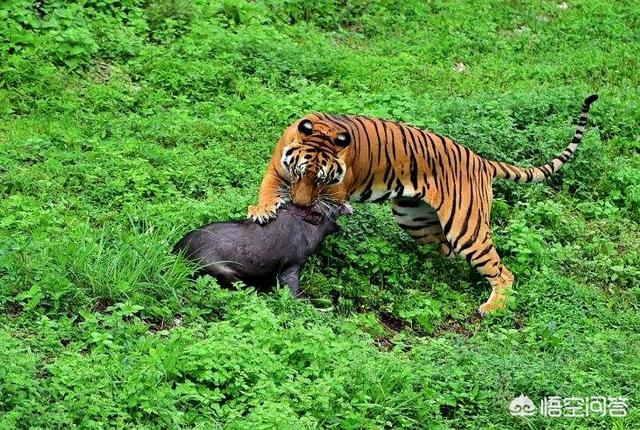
[{"x": 123, "y": 124}]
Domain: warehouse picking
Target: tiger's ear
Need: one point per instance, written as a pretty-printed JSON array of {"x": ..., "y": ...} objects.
[
  {"x": 342, "y": 139},
  {"x": 305, "y": 127}
]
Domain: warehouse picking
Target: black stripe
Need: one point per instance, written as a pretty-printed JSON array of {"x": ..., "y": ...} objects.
[
  {"x": 399, "y": 187},
  {"x": 447, "y": 227},
  {"x": 457, "y": 153},
  {"x": 546, "y": 170},
  {"x": 476, "y": 230},
  {"x": 425, "y": 181},
  {"x": 413, "y": 171},
  {"x": 465, "y": 223},
  {"x": 392, "y": 141},
  {"x": 420, "y": 146},
  {"x": 367, "y": 192},
  {"x": 388, "y": 160},
  {"x": 392, "y": 177},
  {"x": 485, "y": 251},
  {"x": 322, "y": 115},
  {"x": 413, "y": 162},
  {"x": 387, "y": 172},
  {"x": 431, "y": 155},
  {"x": 379, "y": 141},
  {"x": 516, "y": 172},
  {"x": 408, "y": 203},
  {"x": 477, "y": 264},
  {"x": 423, "y": 218},
  {"x": 411, "y": 227},
  {"x": 442, "y": 176},
  {"x": 506, "y": 172},
  {"x": 529, "y": 175},
  {"x": 469, "y": 256},
  {"x": 342, "y": 120},
  {"x": 366, "y": 134},
  {"x": 365, "y": 196},
  {"x": 404, "y": 137},
  {"x": 451, "y": 164},
  {"x": 383, "y": 198}
]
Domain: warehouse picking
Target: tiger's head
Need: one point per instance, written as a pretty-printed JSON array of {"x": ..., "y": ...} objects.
[{"x": 315, "y": 160}]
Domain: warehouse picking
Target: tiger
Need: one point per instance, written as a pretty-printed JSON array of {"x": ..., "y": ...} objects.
[{"x": 440, "y": 191}]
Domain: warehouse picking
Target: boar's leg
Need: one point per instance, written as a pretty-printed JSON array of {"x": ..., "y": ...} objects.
[{"x": 291, "y": 277}]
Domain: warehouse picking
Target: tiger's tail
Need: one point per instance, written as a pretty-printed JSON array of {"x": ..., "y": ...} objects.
[{"x": 534, "y": 174}]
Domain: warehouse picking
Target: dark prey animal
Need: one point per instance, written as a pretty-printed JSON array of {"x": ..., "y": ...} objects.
[{"x": 258, "y": 255}]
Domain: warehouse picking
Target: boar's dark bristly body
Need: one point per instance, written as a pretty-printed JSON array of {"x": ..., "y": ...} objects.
[{"x": 255, "y": 254}]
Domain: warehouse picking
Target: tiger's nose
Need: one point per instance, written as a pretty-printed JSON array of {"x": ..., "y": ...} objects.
[{"x": 303, "y": 192}]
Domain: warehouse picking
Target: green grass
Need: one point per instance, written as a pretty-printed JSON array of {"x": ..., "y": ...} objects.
[{"x": 124, "y": 124}]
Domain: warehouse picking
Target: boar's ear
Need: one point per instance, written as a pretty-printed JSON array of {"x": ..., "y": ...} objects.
[
  {"x": 313, "y": 217},
  {"x": 305, "y": 127}
]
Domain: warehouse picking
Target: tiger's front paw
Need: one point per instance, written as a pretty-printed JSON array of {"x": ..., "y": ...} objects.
[{"x": 263, "y": 213}]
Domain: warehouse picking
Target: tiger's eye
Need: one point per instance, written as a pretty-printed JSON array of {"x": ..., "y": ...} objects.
[
  {"x": 305, "y": 127},
  {"x": 342, "y": 139}
]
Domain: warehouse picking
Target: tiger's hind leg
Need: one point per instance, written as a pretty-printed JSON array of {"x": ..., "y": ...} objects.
[
  {"x": 465, "y": 224},
  {"x": 483, "y": 256},
  {"x": 421, "y": 222}
]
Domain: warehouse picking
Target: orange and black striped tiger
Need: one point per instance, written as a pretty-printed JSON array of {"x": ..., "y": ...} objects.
[{"x": 441, "y": 192}]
